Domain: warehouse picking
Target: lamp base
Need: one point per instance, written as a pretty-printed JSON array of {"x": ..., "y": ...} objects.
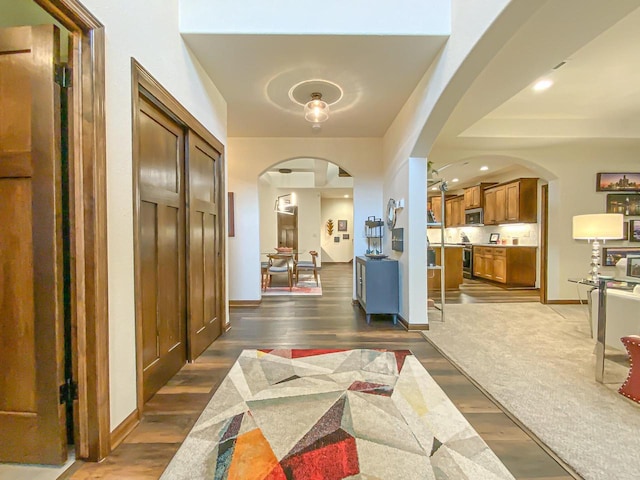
[{"x": 594, "y": 271}]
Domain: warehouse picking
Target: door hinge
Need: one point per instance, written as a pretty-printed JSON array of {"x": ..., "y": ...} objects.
[
  {"x": 68, "y": 391},
  {"x": 63, "y": 76}
]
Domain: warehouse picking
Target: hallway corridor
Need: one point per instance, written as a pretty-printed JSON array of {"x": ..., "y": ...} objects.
[{"x": 330, "y": 321}]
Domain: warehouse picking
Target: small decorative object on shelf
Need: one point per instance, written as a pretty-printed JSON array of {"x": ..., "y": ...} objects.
[
  {"x": 392, "y": 208},
  {"x": 330, "y": 227},
  {"x": 374, "y": 231}
]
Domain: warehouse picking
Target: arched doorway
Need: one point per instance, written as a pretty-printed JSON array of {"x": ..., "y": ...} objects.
[
  {"x": 299, "y": 200},
  {"x": 471, "y": 228}
]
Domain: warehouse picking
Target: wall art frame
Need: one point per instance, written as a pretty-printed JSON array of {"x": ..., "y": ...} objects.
[
  {"x": 633, "y": 266},
  {"x": 618, "y": 182},
  {"x": 625, "y": 203},
  {"x": 611, "y": 255},
  {"x": 634, "y": 231}
]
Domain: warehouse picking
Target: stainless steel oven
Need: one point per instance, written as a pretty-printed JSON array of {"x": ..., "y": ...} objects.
[{"x": 467, "y": 261}]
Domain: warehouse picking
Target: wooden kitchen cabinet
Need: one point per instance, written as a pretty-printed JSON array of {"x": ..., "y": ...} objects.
[
  {"x": 483, "y": 262},
  {"x": 454, "y": 208},
  {"x": 512, "y": 202},
  {"x": 452, "y": 271},
  {"x": 512, "y": 266},
  {"x": 436, "y": 207},
  {"x": 490, "y": 207},
  {"x": 474, "y": 196}
]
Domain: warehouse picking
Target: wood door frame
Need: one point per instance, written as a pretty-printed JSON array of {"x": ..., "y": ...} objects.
[
  {"x": 143, "y": 83},
  {"x": 544, "y": 241},
  {"x": 88, "y": 217}
]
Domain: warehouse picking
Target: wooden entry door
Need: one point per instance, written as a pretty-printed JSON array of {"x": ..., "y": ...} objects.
[
  {"x": 161, "y": 245},
  {"x": 32, "y": 420},
  {"x": 205, "y": 255}
]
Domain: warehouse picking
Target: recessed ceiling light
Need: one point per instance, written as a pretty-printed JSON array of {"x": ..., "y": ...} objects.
[
  {"x": 455, "y": 180},
  {"x": 346, "y": 196},
  {"x": 542, "y": 84},
  {"x": 484, "y": 168},
  {"x": 434, "y": 188}
]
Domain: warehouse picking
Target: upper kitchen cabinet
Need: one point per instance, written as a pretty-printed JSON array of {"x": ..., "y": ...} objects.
[
  {"x": 436, "y": 207},
  {"x": 511, "y": 202},
  {"x": 473, "y": 196},
  {"x": 434, "y": 204},
  {"x": 454, "y": 211}
]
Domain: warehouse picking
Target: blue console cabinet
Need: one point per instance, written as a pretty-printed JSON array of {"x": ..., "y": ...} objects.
[{"x": 377, "y": 286}]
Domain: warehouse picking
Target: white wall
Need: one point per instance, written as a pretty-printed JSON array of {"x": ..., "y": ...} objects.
[
  {"x": 403, "y": 149},
  {"x": 157, "y": 45},
  {"x": 402, "y": 17},
  {"x": 338, "y": 209},
  {"x": 248, "y": 158}
]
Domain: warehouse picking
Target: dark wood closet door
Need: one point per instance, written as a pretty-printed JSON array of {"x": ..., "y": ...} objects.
[
  {"x": 32, "y": 420},
  {"x": 205, "y": 268},
  {"x": 161, "y": 244}
]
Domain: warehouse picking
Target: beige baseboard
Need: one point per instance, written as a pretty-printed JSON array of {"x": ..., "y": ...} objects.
[{"x": 125, "y": 428}]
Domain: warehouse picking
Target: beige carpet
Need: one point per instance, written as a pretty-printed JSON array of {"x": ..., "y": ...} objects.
[{"x": 538, "y": 362}]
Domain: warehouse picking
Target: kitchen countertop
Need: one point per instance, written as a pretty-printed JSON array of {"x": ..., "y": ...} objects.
[
  {"x": 481, "y": 245},
  {"x": 497, "y": 245}
]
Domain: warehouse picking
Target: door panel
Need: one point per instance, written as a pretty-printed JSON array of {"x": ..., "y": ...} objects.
[
  {"x": 205, "y": 267},
  {"x": 161, "y": 246},
  {"x": 32, "y": 421},
  {"x": 149, "y": 280}
]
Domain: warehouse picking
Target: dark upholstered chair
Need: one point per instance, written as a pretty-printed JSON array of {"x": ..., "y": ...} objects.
[{"x": 309, "y": 266}]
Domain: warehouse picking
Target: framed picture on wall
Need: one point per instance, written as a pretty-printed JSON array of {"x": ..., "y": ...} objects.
[
  {"x": 633, "y": 266},
  {"x": 342, "y": 225},
  {"x": 336, "y": 239},
  {"x": 345, "y": 236},
  {"x": 611, "y": 255},
  {"x": 634, "y": 230},
  {"x": 625, "y": 203},
  {"x": 618, "y": 182}
]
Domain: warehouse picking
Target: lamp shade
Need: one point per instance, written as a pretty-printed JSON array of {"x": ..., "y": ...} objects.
[{"x": 601, "y": 226}]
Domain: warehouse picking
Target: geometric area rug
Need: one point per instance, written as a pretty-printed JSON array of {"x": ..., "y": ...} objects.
[
  {"x": 305, "y": 286},
  {"x": 328, "y": 415}
]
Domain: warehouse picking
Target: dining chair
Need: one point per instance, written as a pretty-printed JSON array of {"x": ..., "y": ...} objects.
[
  {"x": 306, "y": 265},
  {"x": 264, "y": 266},
  {"x": 279, "y": 264}
]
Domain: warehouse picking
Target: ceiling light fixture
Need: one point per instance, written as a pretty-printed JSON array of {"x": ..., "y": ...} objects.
[
  {"x": 543, "y": 84},
  {"x": 316, "y": 110},
  {"x": 455, "y": 180},
  {"x": 484, "y": 168}
]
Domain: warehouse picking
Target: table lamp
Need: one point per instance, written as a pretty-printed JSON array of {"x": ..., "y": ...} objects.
[{"x": 595, "y": 227}]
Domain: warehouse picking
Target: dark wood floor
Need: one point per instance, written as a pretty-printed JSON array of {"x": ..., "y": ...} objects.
[
  {"x": 480, "y": 291},
  {"x": 330, "y": 321}
]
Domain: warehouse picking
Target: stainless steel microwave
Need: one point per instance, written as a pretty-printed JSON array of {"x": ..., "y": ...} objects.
[{"x": 474, "y": 217}]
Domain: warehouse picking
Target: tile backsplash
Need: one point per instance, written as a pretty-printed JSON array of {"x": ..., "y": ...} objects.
[{"x": 526, "y": 233}]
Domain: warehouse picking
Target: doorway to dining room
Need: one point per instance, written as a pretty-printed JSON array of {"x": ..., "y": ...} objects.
[{"x": 306, "y": 205}]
